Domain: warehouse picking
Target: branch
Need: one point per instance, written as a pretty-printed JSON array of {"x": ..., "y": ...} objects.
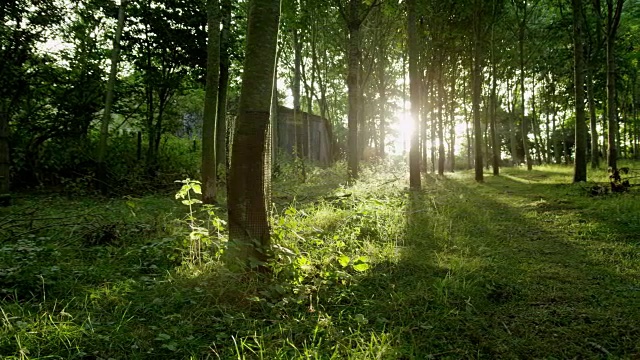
[
  {"x": 616, "y": 17},
  {"x": 366, "y": 13}
]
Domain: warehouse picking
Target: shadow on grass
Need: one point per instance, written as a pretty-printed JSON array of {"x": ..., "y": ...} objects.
[{"x": 479, "y": 277}]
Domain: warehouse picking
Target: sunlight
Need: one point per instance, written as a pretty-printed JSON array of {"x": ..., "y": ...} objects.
[{"x": 403, "y": 129}]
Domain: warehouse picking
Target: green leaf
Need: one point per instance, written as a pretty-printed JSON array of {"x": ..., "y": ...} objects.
[
  {"x": 196, "y": 188},
  {"x": 163, "y": 337},
  {"x": 361, "y": 267},
  {"x": 344, "y": 260},
  {"x": 361, "y": 264}
]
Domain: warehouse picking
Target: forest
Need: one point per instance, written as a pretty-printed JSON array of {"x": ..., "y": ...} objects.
[{"x": 320, "y": 179}]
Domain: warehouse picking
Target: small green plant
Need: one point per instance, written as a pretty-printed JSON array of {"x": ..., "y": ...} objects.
[{"x": 200, "y": 234}]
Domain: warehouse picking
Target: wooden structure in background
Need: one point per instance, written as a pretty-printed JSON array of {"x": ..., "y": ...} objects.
[{"x": 320, "y": 136}]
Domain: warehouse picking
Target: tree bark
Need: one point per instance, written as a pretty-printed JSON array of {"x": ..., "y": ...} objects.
[
  {"x": 595, "y": 149},
  {"x": 580, "y": 160},
  {"x": 613, "y": 20},
  {"x": 101, "y": 172},
  {"x": 209, "y": 165},
  {"x": 525, "y": 128},
  {"x": 222, "y": 160},
  {"x": 495, "y": 145},
  {"x": 250, "y": 171},
  {"x": 414, "y": 92},
  {"x": 441, "y": 115},
  {"x": 476, "y": 88},
  {"x": 353, "y": 61}
]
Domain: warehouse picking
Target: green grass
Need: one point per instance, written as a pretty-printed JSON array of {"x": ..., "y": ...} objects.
[{"x": 525, "y": 265}]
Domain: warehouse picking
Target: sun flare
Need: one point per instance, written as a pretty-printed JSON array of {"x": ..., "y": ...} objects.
[{"x": 403, "y": 129}]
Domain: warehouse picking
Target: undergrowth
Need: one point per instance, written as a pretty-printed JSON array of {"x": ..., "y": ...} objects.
[{"x": 522, "y": 266}]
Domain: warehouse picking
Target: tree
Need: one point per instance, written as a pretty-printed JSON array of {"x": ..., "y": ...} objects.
[
  {"x": 611, "y": 28},
  {"x": 580, "y": 161},
  {"x": 476, "y": 87},
  {"x": 221, "y": 118},
  {"x": 354, "y": 17},
  {"x": 209, "y": 165},
  {"x": 106, "y": 118},
  {"x": 23, "y": 23},
  {"x": 250, "y": 170},
  {"x": 414, "y": 90}
]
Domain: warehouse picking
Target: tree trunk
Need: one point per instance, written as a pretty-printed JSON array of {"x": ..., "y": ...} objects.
[
  {"x": 382, "y": 93},
  {"x": 580, "y": 160},
  {"x": 222, "y": 160},
  {"x": 414, "y": 88},
  {"x": 595, "y": 151},
  {"x": 452, "y": 121},
  {"x": 495, "y": 145},
  {"x": 476, "y": 87},
  {"x": 441, "y": 115},
  {"x": 101, "y": 172},
  {"x": 613, "y": 20},
  {"x": 525, "y": 128},
  {"x": 250, "y": 171},
  {"x": 209, "y": 164},
  {"x": 353, "y": 61}
]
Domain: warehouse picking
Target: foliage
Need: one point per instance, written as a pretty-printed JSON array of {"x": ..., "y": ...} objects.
[{"x": 200, "y": 235}]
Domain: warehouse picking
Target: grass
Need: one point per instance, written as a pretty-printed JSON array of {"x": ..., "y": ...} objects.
[{"x": 525, "y": 265}]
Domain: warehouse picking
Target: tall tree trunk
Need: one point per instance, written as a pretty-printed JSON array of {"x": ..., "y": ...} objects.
[
  {"x": 476, "y": 80},
  {"x": 353, "y": 61},
  {"x": 382, "y": 94},
  {"x": 535, "y": 127},
  {"x": 468, "y": 124},
  {"x": 613, "y": 20},
  {"x": 580, "y": 161},
  {"x": 298, "y": 121},
  {"x": 525, "y": 129},
  {"x": 250, "y": 171},
  {"x": 414, "y": 78},
  {"x": 273, "y": 116},
  {"x": 209, "y": 164},
  {"x": 441, "y": 115},
  {"x": 222, "y": 160},
  {"x": 595, "y": 151},
  {"x": 452, "y": 120},
  {"x": 495, "y": 145},
  {"x": 106, "y": 117}
]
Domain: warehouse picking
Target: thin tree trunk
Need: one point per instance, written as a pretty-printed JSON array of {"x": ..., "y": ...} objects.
[
  {"x": 106, "y": 117},
  {"x": 209, "y": 168},
  {"x": 525, "y": 128},
  {"x": 495, "y": 145},
  {"x": 222, "y": 160},
  {"x": 382, "y": 105},
  {"x": 595, "y": 151},
  {"x": 414, "y": 78},
  {"x": 441, "y": 115},
  {"x": 613, "y": 20},
  {"x": 580, "y": 161},
  {"x": 452, "y": 121},
  {"x": 476, "y": 79},
  {"x": 353, "y": 61}
]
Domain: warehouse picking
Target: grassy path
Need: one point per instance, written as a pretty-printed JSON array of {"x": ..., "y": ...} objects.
[{"x": 533, "y": 269}]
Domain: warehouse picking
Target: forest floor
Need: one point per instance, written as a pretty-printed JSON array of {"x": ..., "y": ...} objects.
[{"x": 525, "y": 265}]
